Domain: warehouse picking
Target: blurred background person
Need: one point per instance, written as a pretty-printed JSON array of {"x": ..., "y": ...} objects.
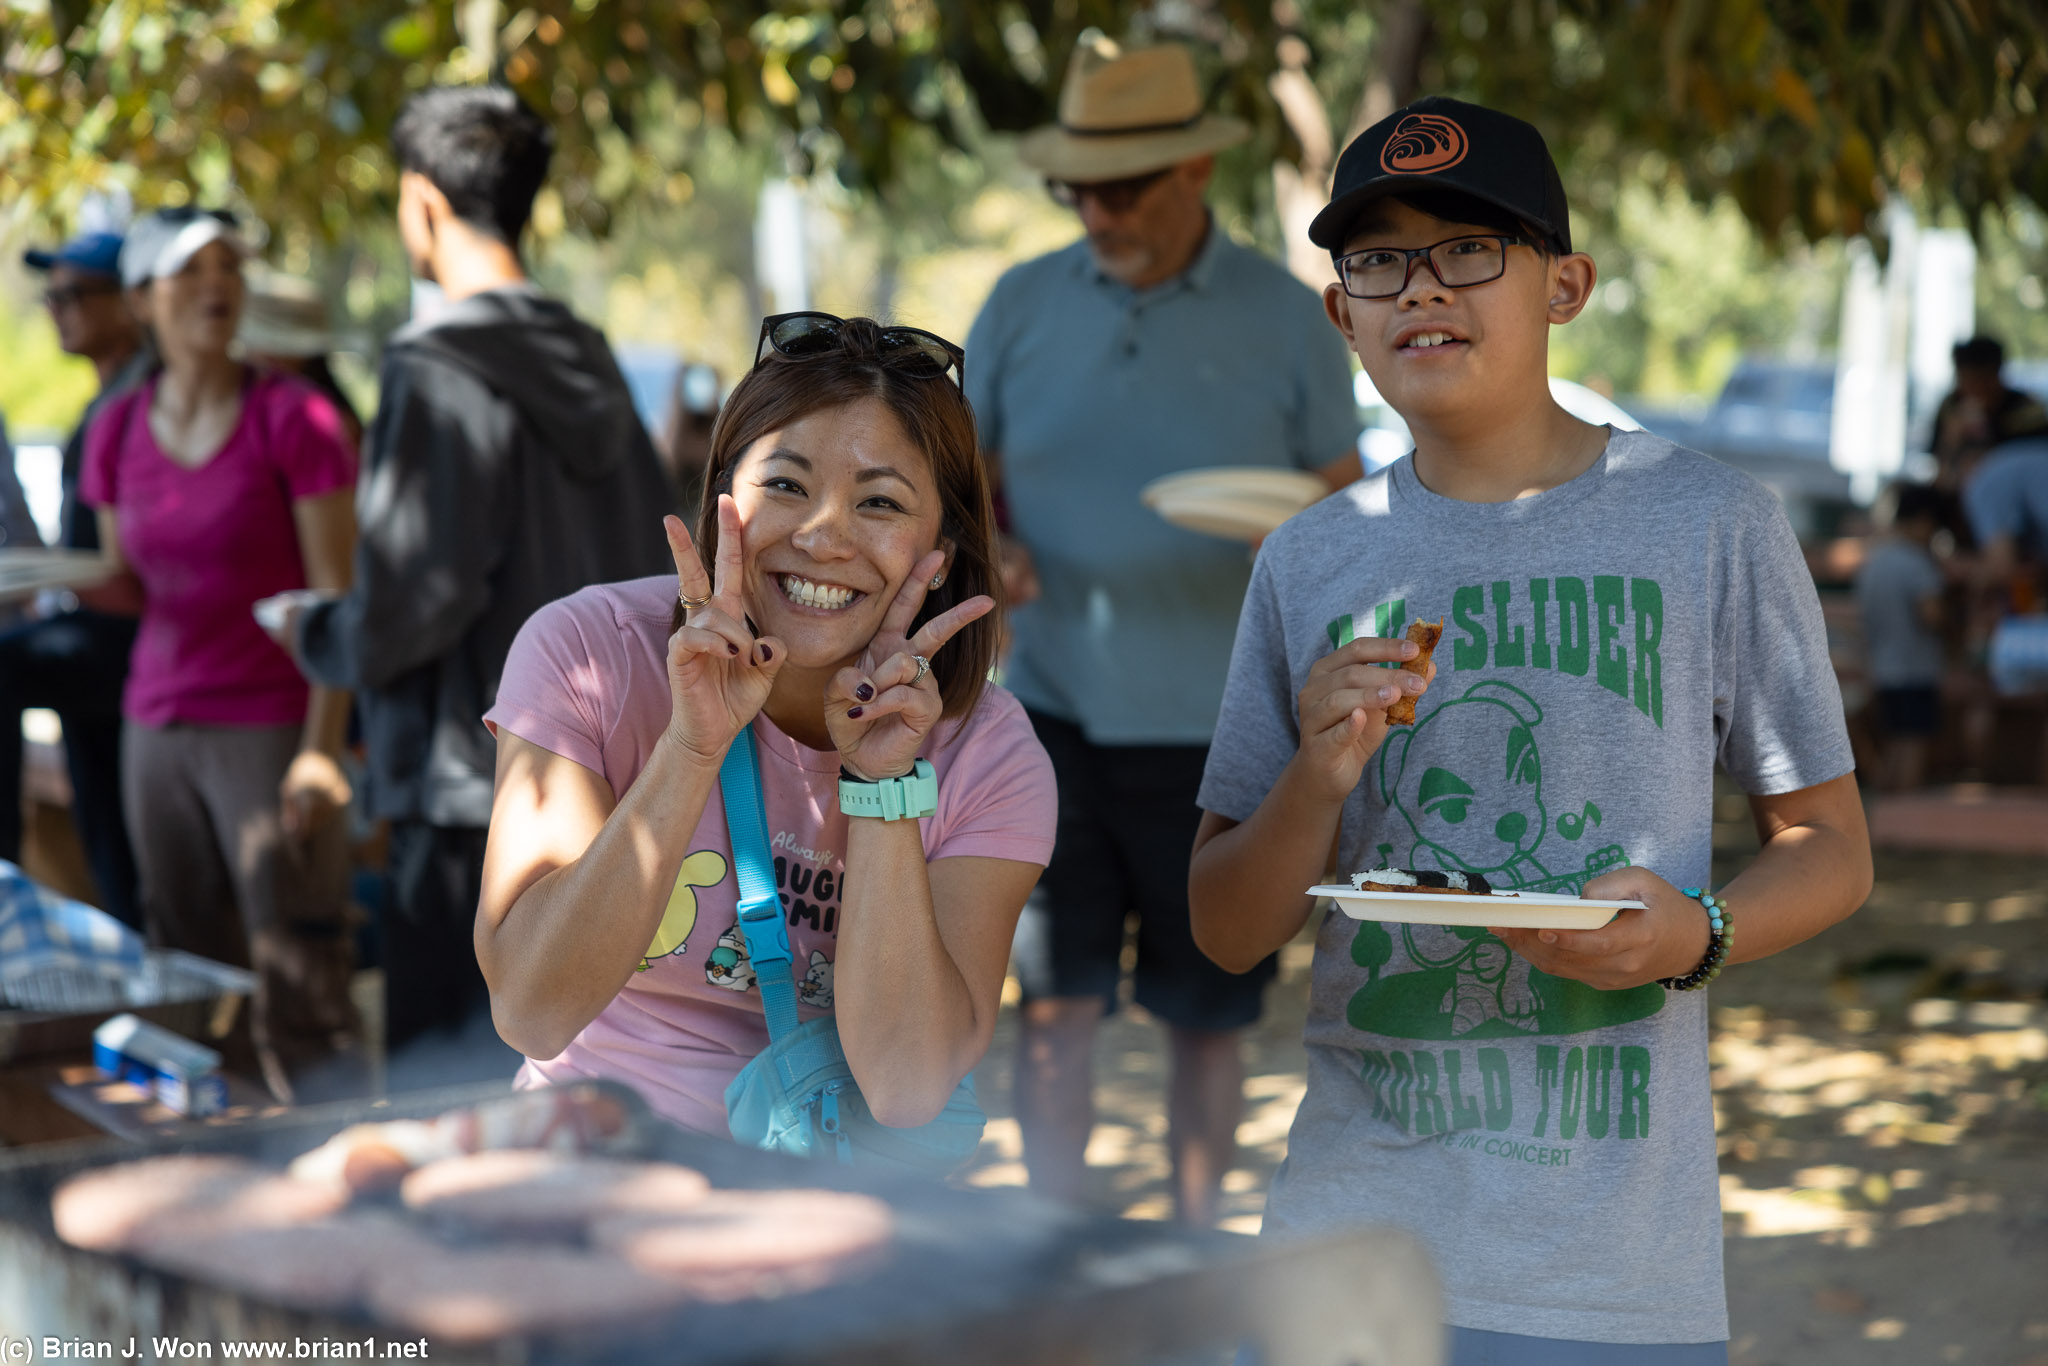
[
  {"x": 1900, "y": 591},
  {"x": 506, "y": 468},
  {"x": 686, "y": 435},
  {"x": 74, "y": 660},
  {"x": 217, "y": 484},
  {"x": 284, "y": 327},
  {"x": 1982, "y": 411},
  {"x": 1152, "y": 345}
]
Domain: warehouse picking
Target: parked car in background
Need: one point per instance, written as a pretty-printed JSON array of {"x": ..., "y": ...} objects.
[{"x": 1772, "y": 420}]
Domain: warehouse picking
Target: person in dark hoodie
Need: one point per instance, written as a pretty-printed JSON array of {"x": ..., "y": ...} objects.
[{"x": 505, "y": 468}]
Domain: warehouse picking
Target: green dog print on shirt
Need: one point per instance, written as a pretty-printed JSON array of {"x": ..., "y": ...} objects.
[{"x": 1467, "y": 781}]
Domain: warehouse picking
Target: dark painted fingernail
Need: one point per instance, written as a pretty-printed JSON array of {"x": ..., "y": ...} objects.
[
  {"x": 853, "y": 713},
  {"x": 731, "y": 648},
  {"x": 865, "y": 693},
  {"x": 766, "y": 654}
]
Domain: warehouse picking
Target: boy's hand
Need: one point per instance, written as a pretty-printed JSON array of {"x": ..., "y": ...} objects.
[
  {"x": 1343, "y": 709},
  {"x": 1666, "y": 940}
]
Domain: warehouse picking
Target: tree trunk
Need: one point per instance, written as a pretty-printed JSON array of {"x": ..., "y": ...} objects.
[{"x": 1403, "y": 42}]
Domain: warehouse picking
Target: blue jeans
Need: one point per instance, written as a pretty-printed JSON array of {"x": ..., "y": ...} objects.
[{"x": 74, "y": 664}]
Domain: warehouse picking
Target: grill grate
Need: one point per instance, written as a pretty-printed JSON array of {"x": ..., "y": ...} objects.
[{"x": 164, "y": 978}]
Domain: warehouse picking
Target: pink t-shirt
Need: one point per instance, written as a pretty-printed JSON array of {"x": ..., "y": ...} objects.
[
  {"x": 588, "y": 679},
  {"x": 208, "y": 542}
]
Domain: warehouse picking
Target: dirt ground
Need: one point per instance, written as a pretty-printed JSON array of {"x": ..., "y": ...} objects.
[{"x": 1881, "y": 1101}]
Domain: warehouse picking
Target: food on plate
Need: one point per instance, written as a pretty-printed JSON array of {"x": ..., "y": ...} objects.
[
  {"x": 525, "y": 1190},
  {"x": 1425, "y": 634},
  {"x": 115, "y": 1209},
  {"x": 371, "y": 1157},
  {"x": 474, "y": 1296},
  {"x": 739, "y": 1244},
  {"x": 1421, "y": 880},
  {"x": 321, "y": 1264}
]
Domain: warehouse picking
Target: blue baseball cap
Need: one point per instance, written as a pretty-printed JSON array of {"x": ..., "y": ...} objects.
[{"x": 97, "y": 252}]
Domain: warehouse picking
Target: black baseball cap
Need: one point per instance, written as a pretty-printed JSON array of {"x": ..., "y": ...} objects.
[{"x": 1444, "y": 144}]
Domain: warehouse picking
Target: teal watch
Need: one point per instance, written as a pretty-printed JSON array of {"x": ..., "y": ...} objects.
[{"x": 910, "y": 797}]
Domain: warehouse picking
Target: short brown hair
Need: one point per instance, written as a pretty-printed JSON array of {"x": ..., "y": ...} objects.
[{"x": 936, "y": 417}]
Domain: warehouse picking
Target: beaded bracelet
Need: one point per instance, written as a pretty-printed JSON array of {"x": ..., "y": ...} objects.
[{"x": 1722, "y": 926}]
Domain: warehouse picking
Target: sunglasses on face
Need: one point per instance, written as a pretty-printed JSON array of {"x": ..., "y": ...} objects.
[
  {"x": 803, "y": 336},
  {"x": 1115, "y": 195},
  {"x": 64, "y": 296}
]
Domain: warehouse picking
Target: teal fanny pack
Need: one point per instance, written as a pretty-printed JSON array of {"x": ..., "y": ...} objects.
[{"x": 799, "y": 1096}]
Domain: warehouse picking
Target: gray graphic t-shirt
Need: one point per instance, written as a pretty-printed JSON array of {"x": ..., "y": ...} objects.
[{"x": 1605, "y": 643}]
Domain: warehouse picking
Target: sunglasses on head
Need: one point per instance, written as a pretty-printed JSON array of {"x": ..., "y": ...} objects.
[
  {"x": 803, "y": 336},
  {"x": 1115, "y": 195},
  {"x": 182, "y": 214}
]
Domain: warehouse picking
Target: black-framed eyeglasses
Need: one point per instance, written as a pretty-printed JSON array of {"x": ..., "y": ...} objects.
[
  {"x": 1457, "y": 263},
  {"x": 63, "y": 296},
  {"x": 1115, "y": 195},
  {"x": 801, "y": 336}
]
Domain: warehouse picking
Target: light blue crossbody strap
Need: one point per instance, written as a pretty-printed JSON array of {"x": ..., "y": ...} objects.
[{"x": 760, "y": 912}]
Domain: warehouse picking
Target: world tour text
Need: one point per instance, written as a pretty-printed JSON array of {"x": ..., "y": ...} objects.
[{"x": 1597, "y": 1091}]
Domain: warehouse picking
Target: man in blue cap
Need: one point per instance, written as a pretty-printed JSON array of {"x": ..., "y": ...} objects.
[{"x": 75, "y": 660}]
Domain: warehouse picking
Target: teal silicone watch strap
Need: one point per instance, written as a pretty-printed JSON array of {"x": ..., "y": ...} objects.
[{"x": 914, "y": 795}]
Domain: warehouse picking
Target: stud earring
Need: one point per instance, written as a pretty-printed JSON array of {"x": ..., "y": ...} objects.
[{"x": 937, "y": 579}]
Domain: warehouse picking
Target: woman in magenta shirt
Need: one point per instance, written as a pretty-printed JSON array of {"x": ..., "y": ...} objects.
[
  {"x": 217, "y": 484},
  {"x": 849, "y": 617}
]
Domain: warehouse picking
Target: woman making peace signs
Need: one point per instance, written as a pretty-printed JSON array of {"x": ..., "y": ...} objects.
[{"x": 847, "y": 613}]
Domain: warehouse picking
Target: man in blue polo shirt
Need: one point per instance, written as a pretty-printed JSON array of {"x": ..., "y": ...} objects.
[{"x": 1153, "y": 345}]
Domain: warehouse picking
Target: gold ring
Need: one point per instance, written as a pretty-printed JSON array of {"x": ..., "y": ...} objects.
[{"x": 689, "y": 603}]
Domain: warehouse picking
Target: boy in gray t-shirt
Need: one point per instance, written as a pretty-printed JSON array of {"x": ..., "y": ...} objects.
[{"x": 1619, "y": 615}]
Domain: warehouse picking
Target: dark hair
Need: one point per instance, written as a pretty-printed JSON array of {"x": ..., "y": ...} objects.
[
  {"x": 482, "y": 147},
  {"x": 936, "y": 417},
  {"x": 1453, "y": 206},
  {"x": 1916, "y": 501},
  {"x": 1979, "y": 353},
  {"x": 317, "y": 372}
]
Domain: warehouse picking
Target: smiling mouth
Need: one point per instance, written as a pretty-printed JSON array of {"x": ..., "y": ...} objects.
[
  {"x": 1425, "y": 341},
  {"x": 824, "y": 597}
]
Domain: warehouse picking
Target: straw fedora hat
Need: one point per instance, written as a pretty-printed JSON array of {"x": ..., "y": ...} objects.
[
  {"x": 285, "y": 316},
  {"x": 1126, "y": 113}
]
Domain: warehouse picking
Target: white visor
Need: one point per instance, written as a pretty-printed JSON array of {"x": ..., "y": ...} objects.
[{"x": 157, "y": 248}]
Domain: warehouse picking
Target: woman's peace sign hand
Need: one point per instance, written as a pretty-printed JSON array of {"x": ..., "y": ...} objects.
[
  {"x": 718, "y": 673},
  {"x": 880, "y": 710}
]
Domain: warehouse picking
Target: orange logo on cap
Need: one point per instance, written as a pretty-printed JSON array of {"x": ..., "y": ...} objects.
[{"x": 1423, "y": 144}]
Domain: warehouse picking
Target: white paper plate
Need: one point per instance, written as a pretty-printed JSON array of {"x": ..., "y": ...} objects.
[
  {"x": 1237, "y": 502},
  {"x": 1510, "y": 910},
  {"x": 26, "y": 570}
]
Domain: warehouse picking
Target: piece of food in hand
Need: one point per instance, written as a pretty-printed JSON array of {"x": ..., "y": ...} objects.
[
  {"x": 1425, "y": 634},
  {"x": 118, "y": 1208},
  {"x": 529, "y": 1192},
  {"x": 1424, "y": 881}
]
